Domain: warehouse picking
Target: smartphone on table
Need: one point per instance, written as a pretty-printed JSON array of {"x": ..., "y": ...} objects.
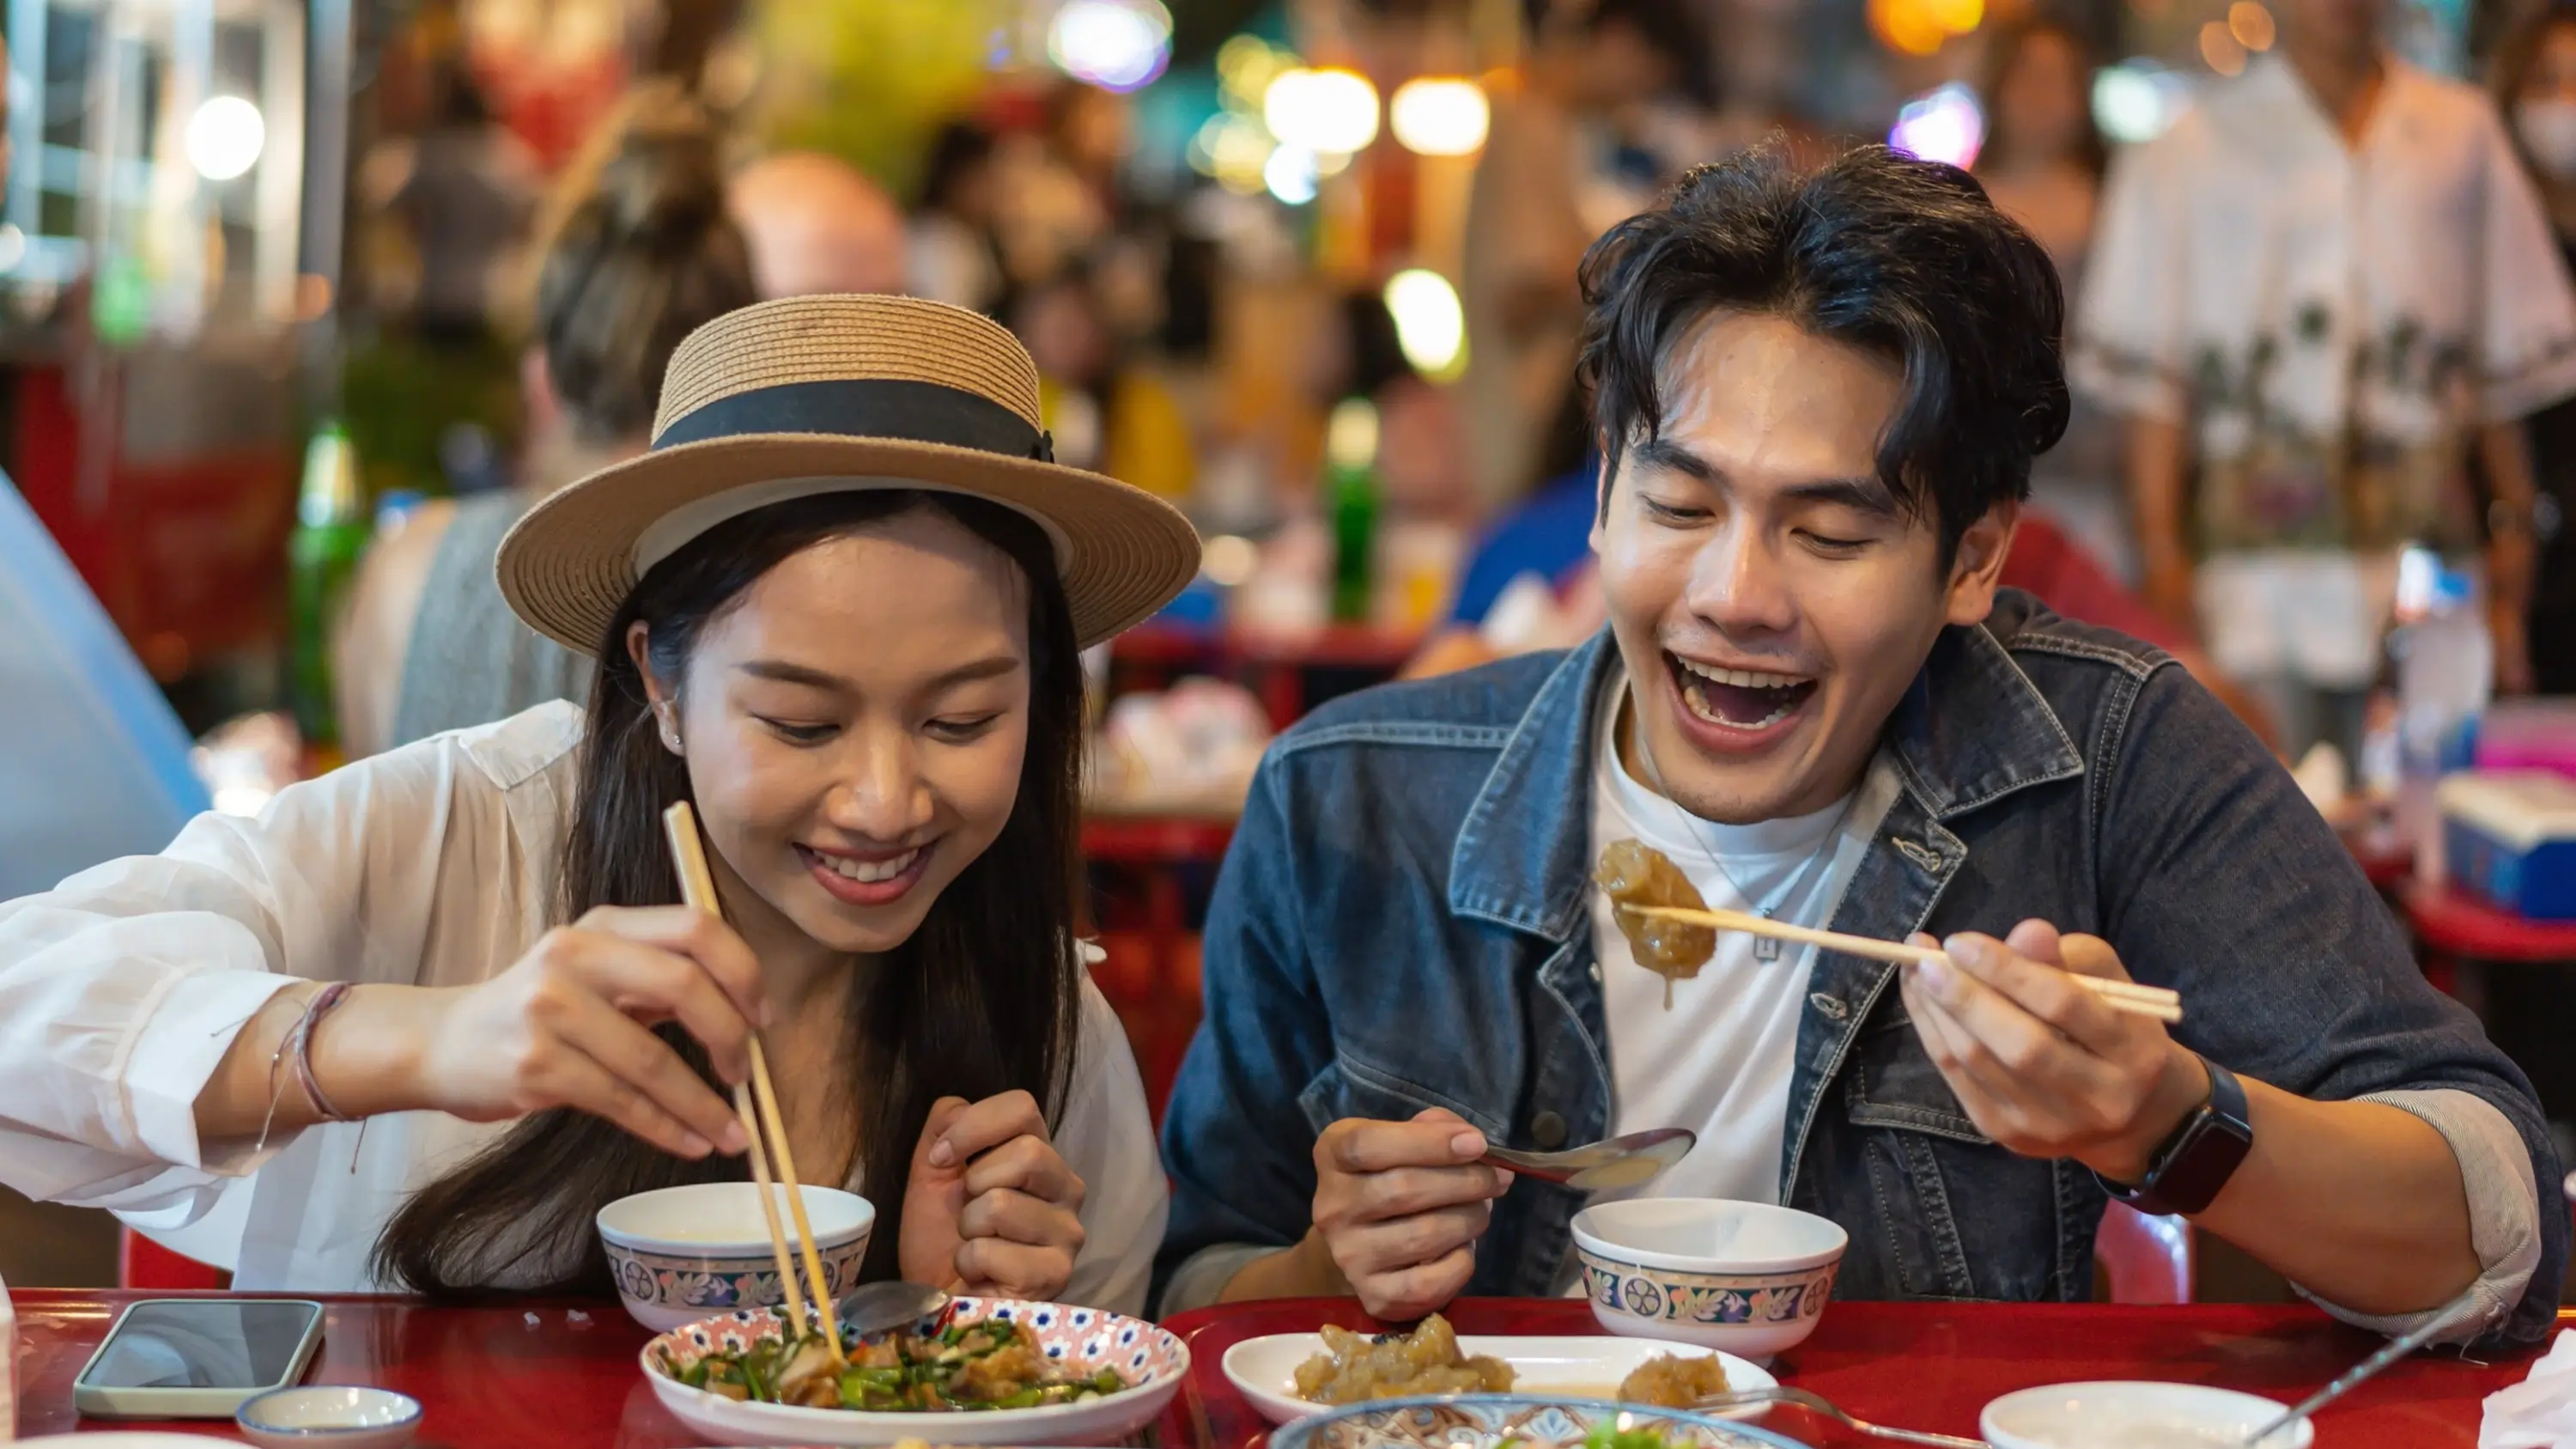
[{"x": 197, "y": 1358}]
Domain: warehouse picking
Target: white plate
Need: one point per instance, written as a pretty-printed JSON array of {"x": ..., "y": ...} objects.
[
  {"x": 1264, "y": 1370},
  {"x": 1086, "y": 1336},
  {"x": 2124, "y": 1414}
]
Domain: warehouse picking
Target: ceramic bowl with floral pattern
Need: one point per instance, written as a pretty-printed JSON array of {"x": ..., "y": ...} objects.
[
  {"x": 1151, "y": 1360},
  {"x": 681, "y": 1254},
  {"x": 1745, "y": 1277},
  {"x": 1491, "y": 1421}
]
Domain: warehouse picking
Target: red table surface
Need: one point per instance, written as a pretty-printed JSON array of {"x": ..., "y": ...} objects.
[
  {"x": 484, "y": 1376},
  {"x": 534, "y": 1374},
  {"x": 1934, "y": 1365}
]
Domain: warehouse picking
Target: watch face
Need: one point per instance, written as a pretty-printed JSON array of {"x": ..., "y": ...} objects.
[{"x": 2200, "y": 1156}]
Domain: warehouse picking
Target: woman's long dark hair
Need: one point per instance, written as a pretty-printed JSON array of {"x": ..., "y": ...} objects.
[{"x": 984, "y": 998}]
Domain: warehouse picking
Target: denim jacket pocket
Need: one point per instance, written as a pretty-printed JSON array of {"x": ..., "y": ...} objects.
[
  {"x": 1351, "y": 1088},
  {"x": 1911, "y": 1125}
]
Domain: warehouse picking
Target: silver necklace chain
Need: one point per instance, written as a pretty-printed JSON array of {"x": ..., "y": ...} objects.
[{"x": 1765, "y": 948}]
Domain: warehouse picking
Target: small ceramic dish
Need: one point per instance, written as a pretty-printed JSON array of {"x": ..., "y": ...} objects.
[
  {"x": 2115, "y": 1414},
  {"x": 1264, "y": 1370},
  {"x": 1151, "y": 1359},
  {"x": 681, "y": 1254},
  {"x": 340, "y": 1416},
  {"x": 1522, "y": 1421},
  {"x": 1746, "y": 1277}
]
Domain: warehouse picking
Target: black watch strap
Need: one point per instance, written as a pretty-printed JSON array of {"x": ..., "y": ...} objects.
[{"x": 2195, "y": 1161}]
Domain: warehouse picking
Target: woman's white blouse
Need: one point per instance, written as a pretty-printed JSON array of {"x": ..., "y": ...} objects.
[{"x": 434, "y": 865}]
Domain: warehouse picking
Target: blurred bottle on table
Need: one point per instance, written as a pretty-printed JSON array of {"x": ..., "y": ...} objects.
[
  {"x": 1352, "y": 493},
  {"x": 2445, "y": 664},
  {"x": 331, "y": 531}
]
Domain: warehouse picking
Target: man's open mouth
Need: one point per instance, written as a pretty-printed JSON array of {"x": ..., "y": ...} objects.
[{"x": 1742, "y": 699}]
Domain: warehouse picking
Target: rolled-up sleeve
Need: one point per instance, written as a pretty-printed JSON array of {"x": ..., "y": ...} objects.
[
  {"x": 2504, "y": 1213},
  {"x": 122, "y": 989},
  {"x": 2219, "y": 880}
]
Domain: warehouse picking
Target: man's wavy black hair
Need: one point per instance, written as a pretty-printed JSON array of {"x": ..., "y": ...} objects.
[{"x": 1901, "y": 257}]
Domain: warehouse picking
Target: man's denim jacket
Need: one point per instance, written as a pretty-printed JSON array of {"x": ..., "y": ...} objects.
[{"x": 1402, "y": 923}]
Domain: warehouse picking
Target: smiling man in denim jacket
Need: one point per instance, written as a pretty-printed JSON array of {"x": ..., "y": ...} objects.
[{"x": 1819, "y": 394}]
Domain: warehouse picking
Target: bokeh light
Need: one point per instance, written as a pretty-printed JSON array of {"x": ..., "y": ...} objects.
[
  {"x": 224, "y": 137},
  {"x": 2221, "y": 50},
  {"x": 1321, "y": 110},
  {"x": 1945, "y": 125},
  {"x": 1430, "y": 325},
  {"x": 1439, "y": 115},
  {"x": 2137, "y": 100},
  {"x": 2251, "y": 24},
  {"x": 1117, "y": 45},
  {"x": 1290, "y": 174}
]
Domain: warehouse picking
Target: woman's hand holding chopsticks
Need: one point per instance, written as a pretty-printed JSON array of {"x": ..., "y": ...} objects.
[
  {"x": 2043, "y": 1066},
  {"x": 991, "y": 1207},
  {"x": 569, "y": 1025}
]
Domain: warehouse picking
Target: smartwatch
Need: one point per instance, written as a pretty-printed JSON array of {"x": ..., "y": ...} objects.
[{"x": 2195, "y": 1161}]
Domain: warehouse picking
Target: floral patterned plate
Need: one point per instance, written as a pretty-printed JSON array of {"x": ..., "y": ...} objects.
[
  {"x": 1489, "y": 1421},
  {"x": 1151, "y": 1360}
]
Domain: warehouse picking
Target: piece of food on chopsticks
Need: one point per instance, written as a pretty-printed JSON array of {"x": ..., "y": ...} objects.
[
  {"x": 1353, "y": 1369},
  {"x": 991, "y": 1364},
  {"x": 1632, "y": 873},
  {"x": 1672, "y": 1381}
]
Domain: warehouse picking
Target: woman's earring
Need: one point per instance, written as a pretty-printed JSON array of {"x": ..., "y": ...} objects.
[{"x": 670, "y": 726}]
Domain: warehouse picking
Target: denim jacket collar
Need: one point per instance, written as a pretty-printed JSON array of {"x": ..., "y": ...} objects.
[
  {"x": 1972, "y": 729},
  {"x": 1520, "y": 858}
]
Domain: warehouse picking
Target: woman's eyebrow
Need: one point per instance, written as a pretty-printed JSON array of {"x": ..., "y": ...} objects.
[{"x": 784, "y": 672}]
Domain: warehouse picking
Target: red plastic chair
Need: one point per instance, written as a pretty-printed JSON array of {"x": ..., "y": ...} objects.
[
  {"x": 143, "y": 1263},
  {"x": 2148, "y": 1259}
]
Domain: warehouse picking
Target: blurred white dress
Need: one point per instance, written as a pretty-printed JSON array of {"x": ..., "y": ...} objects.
[{"x": 433, "y": 865}]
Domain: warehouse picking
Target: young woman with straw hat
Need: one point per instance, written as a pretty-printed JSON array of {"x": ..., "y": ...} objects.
[{"x": 414, "y": 1025}]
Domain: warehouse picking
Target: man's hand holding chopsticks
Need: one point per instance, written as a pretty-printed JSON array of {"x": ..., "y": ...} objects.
[
  {"x": 2041, "y": 1065},
  {"x": 991, "y": 1207}
]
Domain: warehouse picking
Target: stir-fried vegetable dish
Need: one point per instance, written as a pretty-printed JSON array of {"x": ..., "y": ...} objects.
[{"x": 992, "y": 1364}]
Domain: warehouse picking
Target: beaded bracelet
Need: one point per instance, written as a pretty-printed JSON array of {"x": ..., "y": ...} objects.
[{"x": 330, "y": 996}]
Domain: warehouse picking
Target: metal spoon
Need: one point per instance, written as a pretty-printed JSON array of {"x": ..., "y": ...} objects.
[
  {"x": 2458, "y": 1309},
  {"x": 1819, "y": 1404},
  {"x": 876, "y": 1307},
  {"x": 1617, "y": 1162}
]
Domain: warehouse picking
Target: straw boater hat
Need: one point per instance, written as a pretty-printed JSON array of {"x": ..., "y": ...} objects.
[{"x": 812, "y": 395}]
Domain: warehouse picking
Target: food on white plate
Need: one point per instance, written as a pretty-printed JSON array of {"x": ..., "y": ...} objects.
[
  {"x": 1354, "y": 1369},
  {"x": 1672, "y": 1381},
  {"x": 986, "y": 1365}
]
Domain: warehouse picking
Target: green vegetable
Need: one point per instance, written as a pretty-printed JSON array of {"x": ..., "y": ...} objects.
[
  {"x": 695, "y": 1375},
  {"x": 1607, "y": 1435}
]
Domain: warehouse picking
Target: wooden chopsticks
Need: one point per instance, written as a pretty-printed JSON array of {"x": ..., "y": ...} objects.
[
  {"x": 698, "y": 889},
  {"x": 2128, "y": 996}
]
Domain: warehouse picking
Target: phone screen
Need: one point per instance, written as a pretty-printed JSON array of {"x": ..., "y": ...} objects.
[{"x": 173, "y": 1344}]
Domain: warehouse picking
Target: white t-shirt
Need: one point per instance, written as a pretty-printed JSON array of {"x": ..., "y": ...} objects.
[
  {"x": 1719, "y": 1060},
  {"x": 433, "y": 865}
]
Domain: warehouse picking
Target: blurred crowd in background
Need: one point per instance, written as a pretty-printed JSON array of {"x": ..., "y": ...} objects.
[{"x": 1308, "y": 268}]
